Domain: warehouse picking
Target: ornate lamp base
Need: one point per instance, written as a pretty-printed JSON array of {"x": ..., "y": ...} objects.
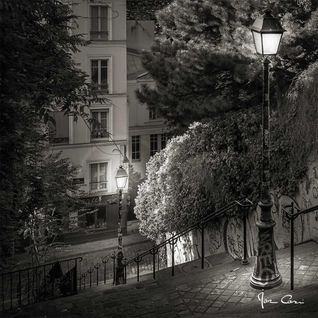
[
  {"x": 266, "y": 274},
  {"x": 257, "y": 283}
]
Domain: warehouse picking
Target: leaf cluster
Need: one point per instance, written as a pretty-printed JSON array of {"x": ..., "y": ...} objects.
[
  {"x": 214, "y": 163},
  {"x": 38, "y": 75},
  {"x": 203, "y": 61}
]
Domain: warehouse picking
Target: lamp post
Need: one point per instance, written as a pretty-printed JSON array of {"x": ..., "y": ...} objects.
[
  {"x": 267, "y": 33},
  {"x": 121, "y": 180}
]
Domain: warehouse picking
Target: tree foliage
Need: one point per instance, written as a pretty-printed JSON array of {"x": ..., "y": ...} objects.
[
  {"x": 205, "y": 69},
  {"x": 197, "y": 172},
  {"x": 48, "y": 197},
  {"x": 38, "y": 75},
  {"x": 203, "y": 62},
  {"x": 144, "y": 9},
  {"x": 210, "y": 165}
]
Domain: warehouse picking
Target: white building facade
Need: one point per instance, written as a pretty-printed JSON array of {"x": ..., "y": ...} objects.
[
  {"x": 121, "y": 124},
  {"x": 97, "y": 148},
  {"x": 147, "y": 131}
]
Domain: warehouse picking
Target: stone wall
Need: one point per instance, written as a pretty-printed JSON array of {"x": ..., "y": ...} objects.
[{"x": 227, "y": 234}]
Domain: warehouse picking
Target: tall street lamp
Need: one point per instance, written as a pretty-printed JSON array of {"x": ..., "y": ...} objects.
[
  {"x": 121, "y": 180},
  {"x": 267, "y": 33}
]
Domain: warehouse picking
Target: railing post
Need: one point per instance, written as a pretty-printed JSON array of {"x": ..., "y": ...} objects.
[
  {"x": 104, "y": 262},
  {"x": 44, "y": 278},
  {"x": 154, "y": 266},
  {"x": 90, "y": 271},
  {"x": 75, "y": 278},
  {"x": 292, "y": 247},
  {"x": 137, "y": 271},
  {"x": 172, "y": 257},
  {"x": 2, "y": 291},
  {"x": 138, "y": 259},
  {"x": 20, "y": 290},
  {"x": 97, "y": 269},
  {"x": 80, "y": 281},
  {"x": 202, "y": 246},
  {"x": 153, "y": 252},
  {"x": 244, "y": 259},
  {"x": 28, "y": 289},
  {"x": 114, "y": 268},
  {"x": 11, "y": 291},
  {"x": 125, "y": 271}
]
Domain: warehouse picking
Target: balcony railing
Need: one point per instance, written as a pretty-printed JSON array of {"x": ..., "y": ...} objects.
[
  {"x": 98, "y": 35},
  {"x": 100, "y": 133},
  {"x": 101, "y": 185},
  {"x": 100, "y": 89}
]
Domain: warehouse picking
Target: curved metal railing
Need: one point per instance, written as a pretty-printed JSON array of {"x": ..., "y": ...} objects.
[{"x": 241, "y": 203}]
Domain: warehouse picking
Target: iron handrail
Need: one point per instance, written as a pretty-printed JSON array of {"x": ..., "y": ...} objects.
[
  {"x": 79, "y": 258},
  {"x": 292, "y": 217},
  {"x": 300, "y": 212},
  {"x": 38, "y": 283},
  {"x": 197, "y": 225},
  {"x": 95, "y": 268}
]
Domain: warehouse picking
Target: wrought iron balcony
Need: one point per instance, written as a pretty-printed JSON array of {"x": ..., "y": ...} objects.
[
  {"x": 101, "y": 185},
  {"x": 99, "y": 133},
  {"x": 99, "y": 35}
]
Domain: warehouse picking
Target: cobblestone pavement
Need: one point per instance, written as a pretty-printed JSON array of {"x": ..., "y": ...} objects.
[{"x": 221, "y": 290}]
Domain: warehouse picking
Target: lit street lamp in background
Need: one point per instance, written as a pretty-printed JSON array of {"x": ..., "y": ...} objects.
[
  {"x": 121, "y": 180},
  {"x": 267, "y": 33}
]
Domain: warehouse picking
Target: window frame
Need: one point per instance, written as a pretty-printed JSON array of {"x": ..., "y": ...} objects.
[
  {"x": 98, "y": 176},
  {"x": 99, "y": 88},
  {"x": 135, "y": 154},
  {"x": 153, "y": 114},
  {"x": 108, "y": 122},
  {"x": 154, "y": 141},
  {"x": 108, "y": 6}
]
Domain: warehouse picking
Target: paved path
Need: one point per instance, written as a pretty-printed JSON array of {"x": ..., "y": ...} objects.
[{"x": 221, "y": 290}]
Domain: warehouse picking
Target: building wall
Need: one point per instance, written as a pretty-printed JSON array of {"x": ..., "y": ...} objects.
[
  {"x": 140, "y": 37},
  {"x": 141, "y": 125},
  {"x": 127, "y": 116},
  {"x": 79, "y": 146}
]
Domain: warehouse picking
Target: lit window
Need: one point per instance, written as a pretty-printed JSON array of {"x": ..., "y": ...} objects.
[
  {"x": 153, "y": 144},
  {"x": 100, "y": 124},
  {"x": 98, "y": 177},
  {"x": 135, "y": 147},
  {"x": 99, "y": 75},
  {"x": 99, "y": 22}
]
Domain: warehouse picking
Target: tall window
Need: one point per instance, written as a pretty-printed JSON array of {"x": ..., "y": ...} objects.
[
  {"x": 153, "y": 114},
  {"x": 99, "y": 75},
  {"x": 98, "y": 176},
  {"x": 100, "y": 124},
  {"x": 59, "y": 132},
  {"x": 99, "y": 22},
  {"x": 135, "y": 147},
  {"x": 153, "y": 144}
]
